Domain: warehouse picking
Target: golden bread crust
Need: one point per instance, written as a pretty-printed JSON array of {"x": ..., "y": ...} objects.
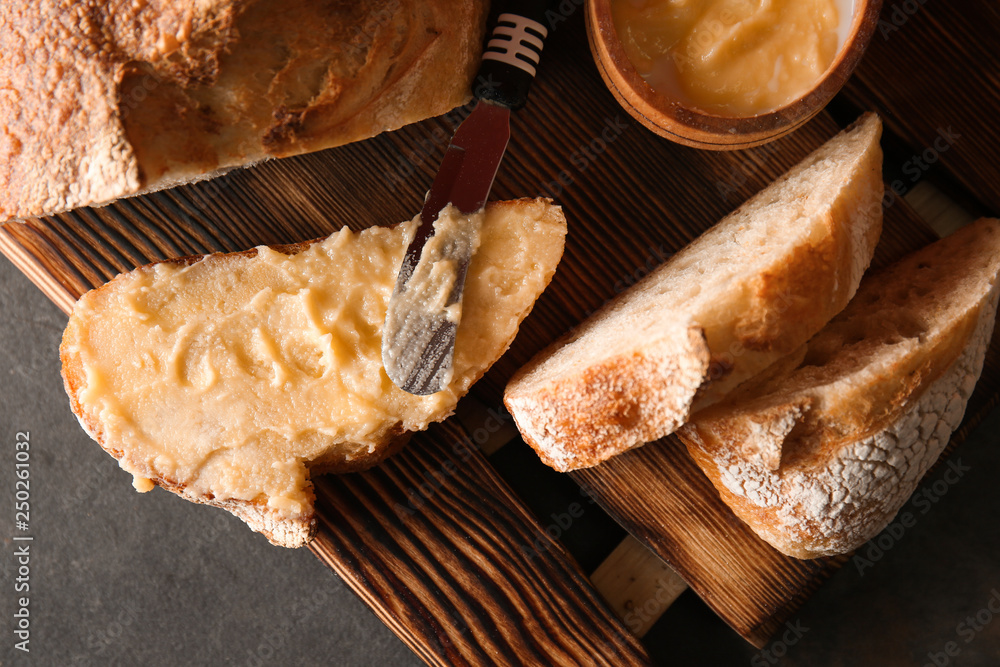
[
  {"x": 478, "y": 344},
  {"x": 606, "y": 413},
  {"x": 789, "y": 259},
  {"x": 819, "y": 454},
  {"x": 102, "y": 100}
]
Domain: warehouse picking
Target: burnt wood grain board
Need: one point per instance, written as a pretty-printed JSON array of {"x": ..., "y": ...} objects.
[
  {"x": 485, "y": 583},
  {"x": 934, "y": 70},
  {"x": 530, "y": 606},
  {"x": 661, "y": 497},
  {"x": 631, "y": 198}
]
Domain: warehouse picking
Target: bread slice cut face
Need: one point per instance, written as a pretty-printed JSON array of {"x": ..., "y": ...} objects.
[
  {"x": 230, "y": 378},
  {"x": 747, "y": 292},
  {"x": 819, "y": 453}
]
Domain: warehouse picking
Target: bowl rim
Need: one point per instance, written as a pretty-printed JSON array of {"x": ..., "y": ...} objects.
[{"x": 671, "y": 118}]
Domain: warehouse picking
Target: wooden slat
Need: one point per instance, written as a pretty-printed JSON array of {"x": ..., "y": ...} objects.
[
  {"x": 942, "y": 214},
  {"x": 281, "y": 202},
  {"x": 662, "y": 497},
  {"x": 26, "y": 260},
  {"x": 464, "y": 575},
  {"x": 633, "y": 580},
  {"x": 631, "y": 206},
  {"x": 934, "y": 70},
  {"x": 637, "y": 584},
  {"x": 631, "y": 199},
  {"x": 490, "y": 427}
]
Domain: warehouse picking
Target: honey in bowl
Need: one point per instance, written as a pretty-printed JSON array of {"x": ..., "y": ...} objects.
[{"x": 731, "y": 57}]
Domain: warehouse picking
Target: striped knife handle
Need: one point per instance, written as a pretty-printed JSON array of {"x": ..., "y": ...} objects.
[{"x": 512, "y": 54}]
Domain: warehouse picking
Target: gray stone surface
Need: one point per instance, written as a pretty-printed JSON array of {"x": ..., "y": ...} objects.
[{"x": 122, "y": 578}]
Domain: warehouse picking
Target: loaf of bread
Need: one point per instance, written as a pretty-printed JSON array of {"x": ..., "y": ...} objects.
[
  {"x": 746, "y": 293},
  {"x": 107, "y": 99},
  {"x": 819, "y": 453},
  {"x": 230, "y": 379}
]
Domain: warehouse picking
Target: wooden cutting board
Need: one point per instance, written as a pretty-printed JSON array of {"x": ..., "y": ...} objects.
[{"x": 447, "y": 578}]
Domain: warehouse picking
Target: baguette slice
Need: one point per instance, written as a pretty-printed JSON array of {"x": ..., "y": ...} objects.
[
  {"x": 819, "y": 453},
  {"x": 744, "y": 294},
  {"x": 229, "y": 379},
  {"x": 110, "y": 99}
]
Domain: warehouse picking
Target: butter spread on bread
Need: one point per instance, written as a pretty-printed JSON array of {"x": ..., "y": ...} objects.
[
  {"x": 819, "y": 453},
  {"x": 230, "y": 378},
  {"x": 747, "y": 292},
  {"x": 421, "y": 307},
  {"x": 108, "y": 99}
]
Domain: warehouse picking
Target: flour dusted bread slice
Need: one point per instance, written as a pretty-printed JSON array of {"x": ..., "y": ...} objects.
[
  {"x": 747, "y": 292},
  {"x": 819, "y": 453},
  {"x": 229, "y": 379},
  {"x": 108, "y": 99}
]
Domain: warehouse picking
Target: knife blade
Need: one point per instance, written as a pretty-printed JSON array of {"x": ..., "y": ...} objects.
[{"x": 422, "y": 317}]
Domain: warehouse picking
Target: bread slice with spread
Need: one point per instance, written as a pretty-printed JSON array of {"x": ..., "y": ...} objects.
[
  {"x": 747, "y": 292},
  {"x": 819, "y": 453},
  {"x": 229, "y": 379}
]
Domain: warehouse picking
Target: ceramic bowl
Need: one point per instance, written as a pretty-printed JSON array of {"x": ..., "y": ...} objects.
[{"x": 674, "y": 120}]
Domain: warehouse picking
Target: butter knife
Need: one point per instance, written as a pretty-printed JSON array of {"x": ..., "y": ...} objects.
[{"x": 418, "y": 337}]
